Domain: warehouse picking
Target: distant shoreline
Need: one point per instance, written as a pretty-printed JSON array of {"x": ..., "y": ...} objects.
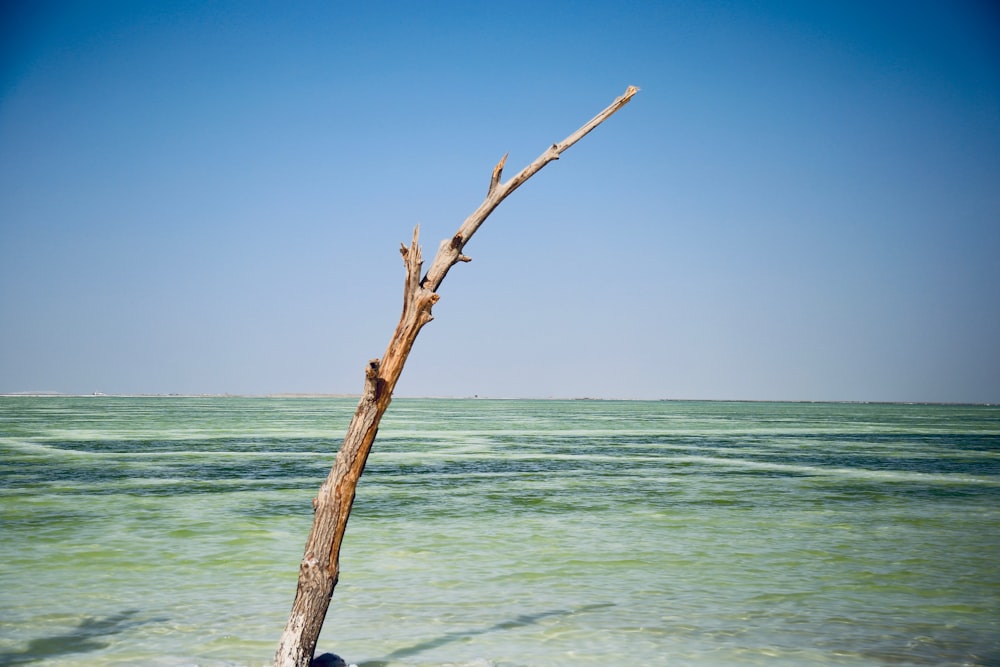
[{"x": 54, "y": 394}]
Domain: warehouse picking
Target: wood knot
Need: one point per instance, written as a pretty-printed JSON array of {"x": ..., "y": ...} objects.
[{"x": 456, "y": 241}]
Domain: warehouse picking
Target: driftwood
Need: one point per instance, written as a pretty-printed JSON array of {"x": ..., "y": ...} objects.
[{"x": 320, "y": 567}]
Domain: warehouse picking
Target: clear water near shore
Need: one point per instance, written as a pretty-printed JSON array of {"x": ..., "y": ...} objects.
[{"x": 167, "y": 532}]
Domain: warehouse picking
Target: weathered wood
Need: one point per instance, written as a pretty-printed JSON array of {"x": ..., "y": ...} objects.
[{"x": 320, "y": 566}]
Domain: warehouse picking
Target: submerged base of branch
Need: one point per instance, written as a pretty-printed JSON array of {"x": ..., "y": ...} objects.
[{"x": 329, "y": 660}]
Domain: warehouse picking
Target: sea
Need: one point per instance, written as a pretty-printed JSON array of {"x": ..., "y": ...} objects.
[{"x": 167, "y": 532}]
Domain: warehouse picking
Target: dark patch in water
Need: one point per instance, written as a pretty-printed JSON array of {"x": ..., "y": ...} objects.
[
  {"x": 82, "y": 639},
  {"x": 459, "y": 635}
]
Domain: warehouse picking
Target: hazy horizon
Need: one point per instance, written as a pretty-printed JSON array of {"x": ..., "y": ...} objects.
[{"x": 55, "y": 394}]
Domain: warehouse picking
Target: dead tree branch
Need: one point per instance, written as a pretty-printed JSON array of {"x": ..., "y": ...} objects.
[{"x": 320, "y": 566}]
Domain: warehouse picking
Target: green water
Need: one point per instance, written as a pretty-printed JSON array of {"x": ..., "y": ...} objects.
[{"x": 167, "y": 532}]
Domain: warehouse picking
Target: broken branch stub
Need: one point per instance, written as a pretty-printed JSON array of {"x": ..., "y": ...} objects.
[{"x": 319, "y": 569}]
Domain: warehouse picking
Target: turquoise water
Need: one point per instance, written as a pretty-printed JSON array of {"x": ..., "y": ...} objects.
[{"x": 168, "y": 531}]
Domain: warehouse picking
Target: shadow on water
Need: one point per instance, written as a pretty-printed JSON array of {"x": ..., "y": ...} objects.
[
  {"x": 82, "y": 639},
  {"x": 517, "y": 622}
]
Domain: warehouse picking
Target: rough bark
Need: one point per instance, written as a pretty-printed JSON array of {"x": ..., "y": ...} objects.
[{"x": 320, "y": 566}]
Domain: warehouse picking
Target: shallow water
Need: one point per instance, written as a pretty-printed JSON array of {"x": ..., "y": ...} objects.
[{"x": 167, "y": 532}]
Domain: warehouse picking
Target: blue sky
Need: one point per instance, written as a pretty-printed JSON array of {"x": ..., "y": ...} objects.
[{"x": 802, "y": 203}]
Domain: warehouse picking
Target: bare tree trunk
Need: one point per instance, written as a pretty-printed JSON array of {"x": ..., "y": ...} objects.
[{"x": 320, "y": 565}]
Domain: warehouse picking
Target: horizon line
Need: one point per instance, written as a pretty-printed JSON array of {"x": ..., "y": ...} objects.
[{"x": 97, "y": 394}]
